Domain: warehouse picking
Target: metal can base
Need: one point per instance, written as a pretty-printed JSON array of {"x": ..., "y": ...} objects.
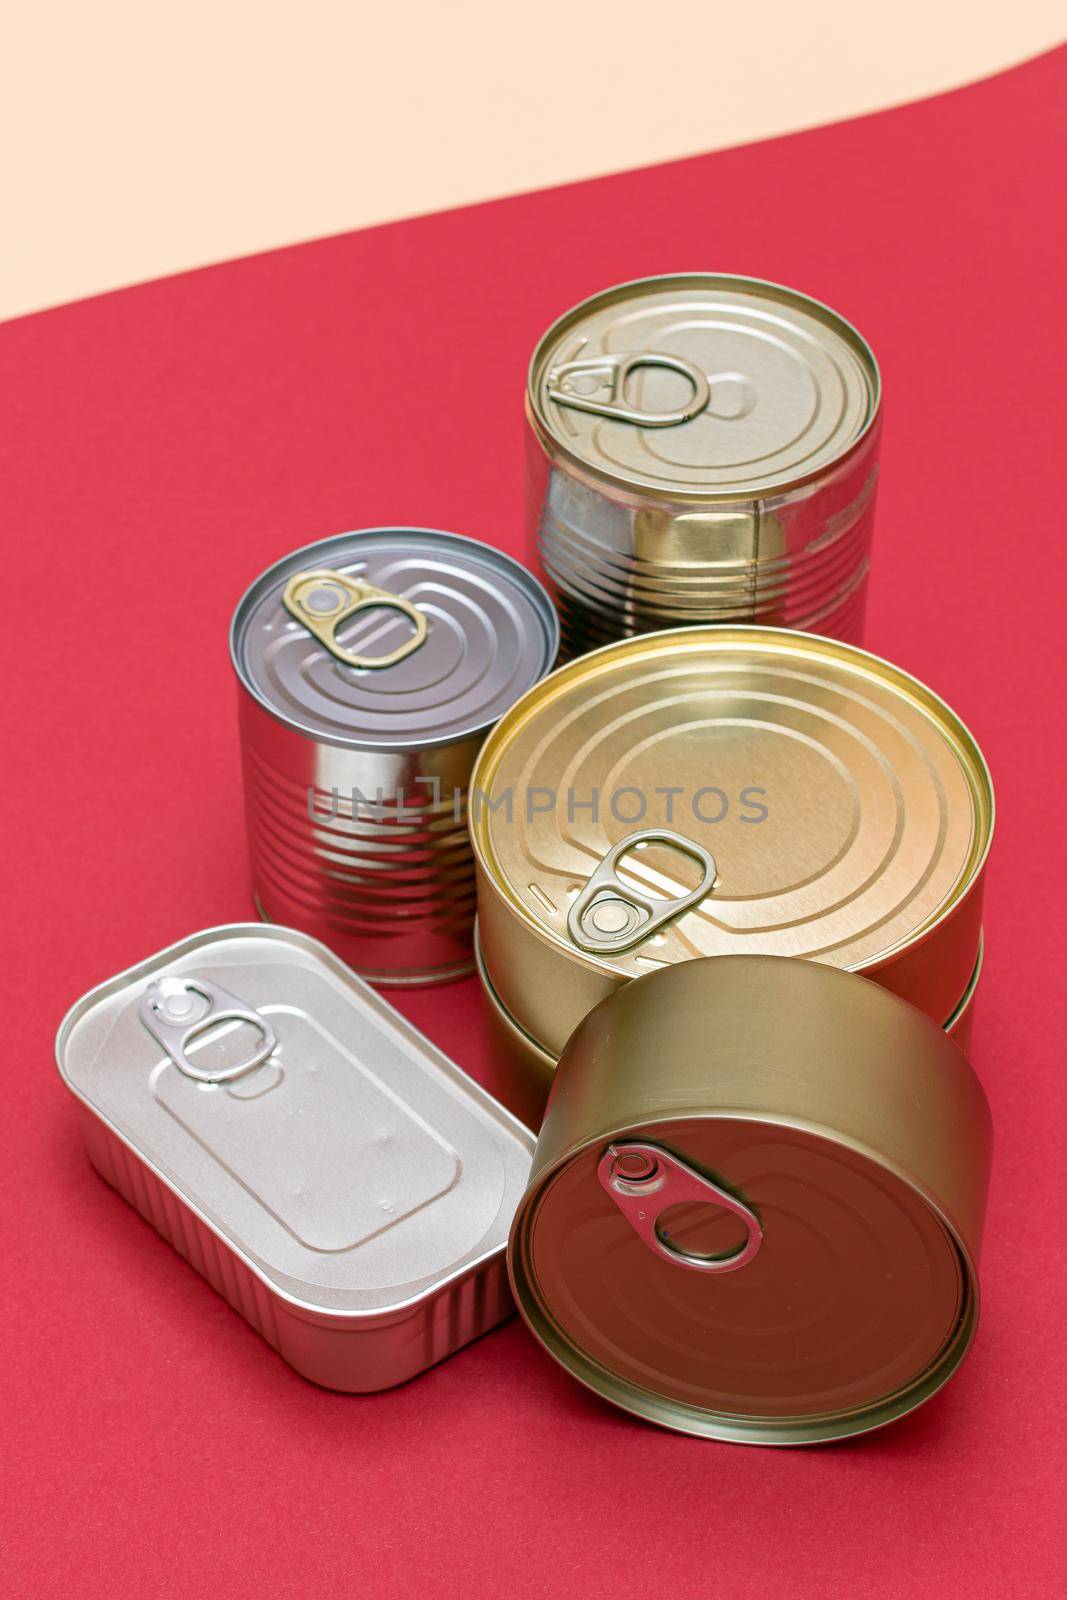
[
  {"x": 423, "y": 979},
  {"x": 416, "y": 980}
]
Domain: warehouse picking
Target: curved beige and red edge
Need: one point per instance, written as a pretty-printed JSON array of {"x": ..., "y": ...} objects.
[{"x": 143, "y": 140}]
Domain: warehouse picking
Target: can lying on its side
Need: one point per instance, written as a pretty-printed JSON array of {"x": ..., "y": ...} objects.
[
  {"x": 370, "y": 667},
  {"x": 336, "y": 1178},
  {"x": 724, "y": 791},
  {"x": 524, "y": 1069},
  {"x": 702, "y": 448},
  {"x": 757, "y": 1202}
]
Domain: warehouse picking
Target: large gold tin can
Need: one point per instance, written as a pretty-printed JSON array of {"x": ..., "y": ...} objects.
[
  {"x": 702, "y": 448},
  {"x": 720, "y": 791},
  {"x": 757, "y": 1202}
]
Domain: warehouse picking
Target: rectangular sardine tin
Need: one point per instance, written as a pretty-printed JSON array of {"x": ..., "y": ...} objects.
[{"x": 340, "y": 1181}]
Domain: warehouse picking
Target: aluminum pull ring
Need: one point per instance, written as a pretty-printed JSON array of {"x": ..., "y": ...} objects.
[
  {"x": 323, "y": 599},
  {"x": 645, "y": 1181},
  {"x": 176, "y": 1011},
  {"x": 610, "y": 916},
  {"x": 612, "y": 372}
]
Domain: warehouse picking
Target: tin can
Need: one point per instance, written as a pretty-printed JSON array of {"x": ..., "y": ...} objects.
[
  {"x": 715, "y": 791},
  {"x": 702, "y": 448},
  {"x": 757, "y": 1202},
  {"x": 335, "y": 1177},
  {"x": 524, "y": 1069},
  {"x": 370, "y": 666},
  {"x": 960, "y": 1025}
]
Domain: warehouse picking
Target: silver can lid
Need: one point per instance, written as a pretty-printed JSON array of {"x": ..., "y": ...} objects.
[
  {"x": 396, "y": 638},
  {"x": 703, "y": 385},
  {"x": 347, "y": 1161}
]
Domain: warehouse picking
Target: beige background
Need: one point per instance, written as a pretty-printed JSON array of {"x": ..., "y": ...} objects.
[{"x": 139, "y": 139}]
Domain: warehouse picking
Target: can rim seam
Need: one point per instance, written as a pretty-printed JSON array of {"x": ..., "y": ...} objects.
[{"x": 551, "y": 444}]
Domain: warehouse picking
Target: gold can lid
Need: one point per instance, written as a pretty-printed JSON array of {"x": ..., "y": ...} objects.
[
  {"x": 714, "y": 791},
  {"x": 703, "y": 385},
  {"x": 767, "y": 1246}
]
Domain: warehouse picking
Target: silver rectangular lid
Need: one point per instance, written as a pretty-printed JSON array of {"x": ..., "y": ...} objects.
[{"x": 351, "y": 1164}]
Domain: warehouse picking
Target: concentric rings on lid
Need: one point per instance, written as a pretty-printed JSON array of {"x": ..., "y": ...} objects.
[
  {"x": 757, "y": 1202},
  {"x": 704, "y": 385},
  {"x": 490, "y": 633},
  {"x": 846, "y": 808}
]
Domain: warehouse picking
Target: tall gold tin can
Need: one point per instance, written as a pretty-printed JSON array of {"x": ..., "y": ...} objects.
[
  {"x": 757, "y": 1202},
  {"x": 702, "y": 448},
  {"x": 717, "y": 791}
]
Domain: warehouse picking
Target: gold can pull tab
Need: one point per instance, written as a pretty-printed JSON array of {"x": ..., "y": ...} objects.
[
  {"x": 323, "y": 599},
  {"x": 610, "y": 915},
  {"x": 645, "y": 1182},
  {"x": 178, "y": 1011},
  {"x": 598, "y": 384}
]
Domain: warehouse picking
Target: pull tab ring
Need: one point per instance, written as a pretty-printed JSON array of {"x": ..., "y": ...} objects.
[
  {"x": 612, "y": 372},
  {"x": 610, "y": 915},
  {"x": 176, "y": 1011},
  {"x": 323, "y": 600},
  {"x": 645, "y": 1182}
]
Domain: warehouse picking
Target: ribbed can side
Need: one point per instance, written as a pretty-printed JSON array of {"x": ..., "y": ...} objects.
[
  {"x": 354, "y": 1357},
  {"x": 619, "y": 560},
  {"x": 370, "y": 666},
  {"x": 368, "y": 853}
]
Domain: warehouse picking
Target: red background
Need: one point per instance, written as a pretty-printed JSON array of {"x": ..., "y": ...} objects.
[{"x": 160, "y": 446}]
